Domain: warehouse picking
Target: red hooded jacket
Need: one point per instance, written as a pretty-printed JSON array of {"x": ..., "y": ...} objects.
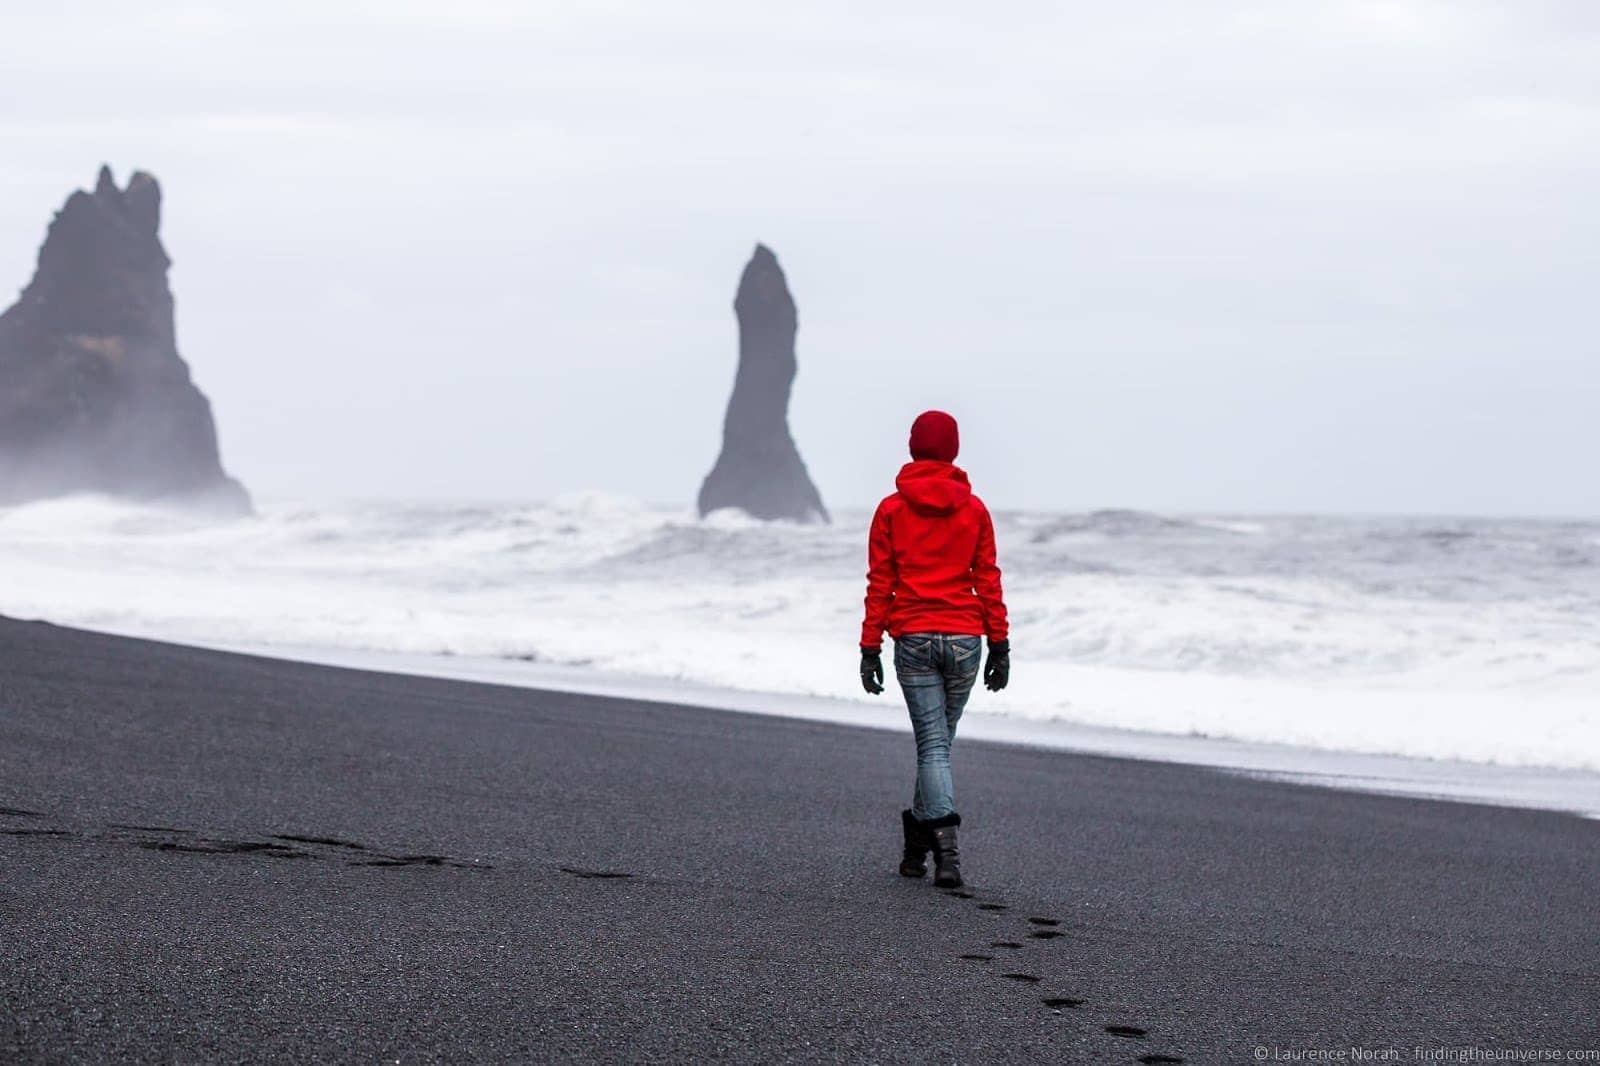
[{"x": 931, "y": 559}]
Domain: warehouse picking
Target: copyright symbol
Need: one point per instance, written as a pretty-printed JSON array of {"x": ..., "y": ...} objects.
[{"x": 1261, "y": 1053}]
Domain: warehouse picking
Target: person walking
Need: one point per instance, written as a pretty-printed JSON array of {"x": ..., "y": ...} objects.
[{"x": 934, "y": 584}]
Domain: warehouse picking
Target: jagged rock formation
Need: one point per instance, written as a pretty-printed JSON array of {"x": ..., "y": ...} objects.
[
  {"x": 760, "y": 470},
  {"x": 93, "y": 394}
]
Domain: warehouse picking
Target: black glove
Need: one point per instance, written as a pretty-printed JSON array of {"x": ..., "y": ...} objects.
[
  {"x": 872, "y": 670},
  {"x": 998, "y": 670}
]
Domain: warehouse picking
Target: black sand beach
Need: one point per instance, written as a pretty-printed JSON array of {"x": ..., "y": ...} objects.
[{"x": 210, "y": 856}]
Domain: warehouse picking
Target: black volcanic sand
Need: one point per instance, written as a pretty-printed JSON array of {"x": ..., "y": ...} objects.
[{"x": 212, "y": 856}]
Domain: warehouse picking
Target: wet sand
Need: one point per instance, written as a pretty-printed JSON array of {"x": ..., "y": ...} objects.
[{"x": 209, "y": 856}]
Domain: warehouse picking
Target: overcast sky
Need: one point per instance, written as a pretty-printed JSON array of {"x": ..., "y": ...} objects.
[{"x": 1240, "y": 256}]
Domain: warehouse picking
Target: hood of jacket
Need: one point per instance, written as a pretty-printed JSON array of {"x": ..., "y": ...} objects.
[{"x": 933, "y": 487}]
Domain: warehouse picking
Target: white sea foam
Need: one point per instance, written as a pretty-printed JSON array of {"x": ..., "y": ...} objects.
[{"x": 1475, "y": 640}]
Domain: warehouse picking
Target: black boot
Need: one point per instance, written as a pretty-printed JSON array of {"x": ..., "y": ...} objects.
[
  {"x": 946, "y": 853},
  {"x": 914, "y": 863}
]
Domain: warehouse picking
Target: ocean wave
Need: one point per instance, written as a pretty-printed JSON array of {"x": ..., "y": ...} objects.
[
  {"x": 1124, "y": 523},
  {"x": 1108, "y": 607}
]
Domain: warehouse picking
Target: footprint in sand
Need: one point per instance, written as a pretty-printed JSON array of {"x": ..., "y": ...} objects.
[{"x": 332, "y": 842}]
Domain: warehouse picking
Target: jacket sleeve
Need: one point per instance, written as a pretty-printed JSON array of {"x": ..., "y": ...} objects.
[
  {"x": 880, "y": 579},
  {"x": 986, "y": 581}
]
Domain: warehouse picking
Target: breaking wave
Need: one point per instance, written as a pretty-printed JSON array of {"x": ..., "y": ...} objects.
[{"x": 1449, "y": 638}]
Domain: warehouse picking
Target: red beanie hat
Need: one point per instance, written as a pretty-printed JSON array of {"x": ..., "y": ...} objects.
[{"x": 934, "y": 436}]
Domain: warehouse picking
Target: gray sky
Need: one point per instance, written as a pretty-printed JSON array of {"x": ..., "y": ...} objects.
[{"x": 1218, "y": 256}]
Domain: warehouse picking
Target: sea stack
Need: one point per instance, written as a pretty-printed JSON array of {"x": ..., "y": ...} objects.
[
  {"x": 760, "y": 470},
  {"x": 93, "y": 394}
]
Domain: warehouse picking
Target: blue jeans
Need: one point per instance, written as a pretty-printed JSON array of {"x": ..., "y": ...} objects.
[{"x": 936, "y": 672}]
